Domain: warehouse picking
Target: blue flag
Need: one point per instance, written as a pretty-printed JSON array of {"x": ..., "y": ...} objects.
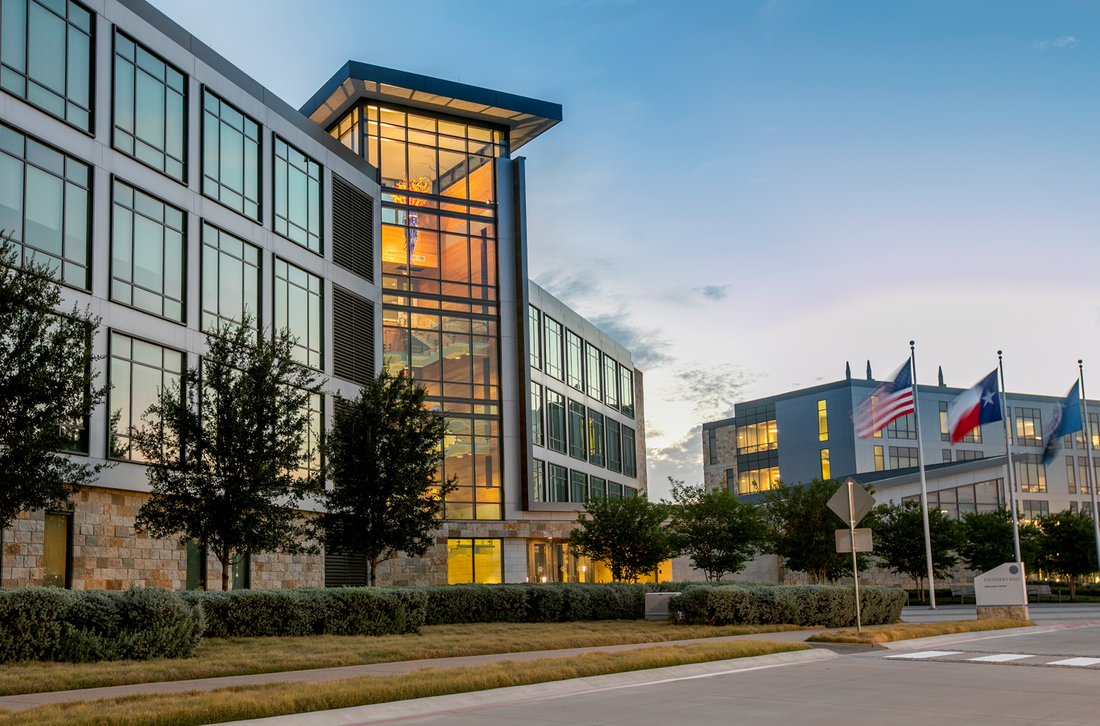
[{"x": 1064, "y": 420}]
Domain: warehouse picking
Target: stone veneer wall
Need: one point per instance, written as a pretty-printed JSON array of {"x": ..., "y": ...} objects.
[
  {"x": 714, "y": 475},
  {"x": 108, "y": 554}
]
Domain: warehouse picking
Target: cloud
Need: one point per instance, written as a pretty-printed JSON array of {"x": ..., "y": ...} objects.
[
  {"x": 572, "y": 286},
  {"x": 711, "y": 391},
  {"x": 681, "y": 459},
  {"x": 647, "y": 348},
  {"x": 715, "y": 292},
  {"x": 1066, "y": 41}
]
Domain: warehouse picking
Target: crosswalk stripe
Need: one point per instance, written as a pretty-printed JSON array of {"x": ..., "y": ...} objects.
[
  {"x": 926, "y": 654},
  {"x": 1076, "y": 662},
  {"x": 1000, "y": 657}
]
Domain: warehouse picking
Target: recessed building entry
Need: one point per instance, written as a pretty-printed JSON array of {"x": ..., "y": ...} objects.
[{"x": 552, "y": 560}]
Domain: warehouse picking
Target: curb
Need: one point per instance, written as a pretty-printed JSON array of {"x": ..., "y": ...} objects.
[{"x": 957, "y": 638}]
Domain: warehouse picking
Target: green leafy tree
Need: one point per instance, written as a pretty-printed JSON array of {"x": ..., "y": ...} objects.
[
  {"x": 719, "y": 532},
  {"x": 383, "y": 454},
  {"x": 988, "y": 543},
  {"x": 802, "y": 529},
  {"x": 628, "y": 534},
  {"x": 1067, "y": 547},
  {"x": 899, "y": 541},
  {"x": 46, "y": 383},
  {"x": 228, "y": 450}
]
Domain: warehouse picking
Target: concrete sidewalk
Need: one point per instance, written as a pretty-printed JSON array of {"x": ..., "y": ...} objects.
[{"x": 30, "y": 700}]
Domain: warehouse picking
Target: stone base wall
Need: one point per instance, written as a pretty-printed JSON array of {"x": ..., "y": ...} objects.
[
  {"x": 1014, "y": 612},
  {"x": 108, "y": 554}
]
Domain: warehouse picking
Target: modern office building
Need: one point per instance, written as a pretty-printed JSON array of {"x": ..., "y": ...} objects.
[
  {"x": 808, "y": 433},
  {"x": 382, "y": 223}
]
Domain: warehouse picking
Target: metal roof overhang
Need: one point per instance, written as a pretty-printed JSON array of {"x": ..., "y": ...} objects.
[{"x": 525, "y": 117}]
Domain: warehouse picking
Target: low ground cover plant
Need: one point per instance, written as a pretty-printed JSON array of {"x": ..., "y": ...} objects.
[
  {"x": 906, "y": 631},
  {"x": 829, "y": 606}
]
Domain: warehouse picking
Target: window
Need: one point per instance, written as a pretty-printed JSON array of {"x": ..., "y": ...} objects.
[
  {"x": 712, "y": 446},
  {"x": 630, "y": 454},
  {"x": 314, "y": 412},
  {"x": 57, "y": 550},
  {"x": 592, "y": 366},
  {"x": 731, "y": 480},
  {"x": 196, "y": 566},
  {"x": 1073, "y": 508},
  {"x": 46, "y": 52},
  {"x": 874, "y": 403},
  {"x": 958, "y": 501},
  {"x": 297, "y": 196},
  {"x": 537, "y": 436},
  {"x": 298, "y": 306},
  {"x": 578, "y": 445},
  {"x": 822, "y": 422},
  {"x": 614, "y": 490},
  {"x": 947, "y": 456},
  {"x": 760, "y": 436},
  {"x": 629, "y": 492},
  {"x": 555, "y": 421},
  {"x": 534, "y": 340},
  {"x": 610, "y": 382},
  {"x": 825, "y": 470},
  {"x": 1071, "y": 475},
  {"x": 45, "y": 204},
  {"x": 474, "y": 561},
  {"x": 538, "y": 482},
  {"x": 880, "y": 463},
  {"x": 553, "y": 360},
  {"x": 574, "y": 360},
  {"x": 472, "y": 453},
  {"x": 757, "y": 480},
  {"x": 967, "y": 455},
  {"x": 240, "y": 571},
  {"x": 138, "y": 372},
  {"x": 230, "y": 279},
  {"x": 902, "y": 427},
  {"x": 1032, "y": 508},
  {"x": 559, "y": 483},
  {"x": 626, "y": 391},
  {"x": 148, "y": 253},
  {"x": 1029, "y": 427},
  {"x": 231, "y": 166},
  {"x": 150, "y": 109},
  {"x": 595, "y": 438},
  {"x": 578, "y": 487},
  {"x": 903, "y": 457},
  {"x": 598, "y": 487},
  {"x": 1083, "y": 471},
  {"x": 614, "y": 446},
  {"x": 945, "y": 430},
  {"x": 1033, "y": 474},
  {"x": 1094, "y": 430}
]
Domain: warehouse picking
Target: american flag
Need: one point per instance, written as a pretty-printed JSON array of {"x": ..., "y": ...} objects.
[{"x": 889, "y": 400}]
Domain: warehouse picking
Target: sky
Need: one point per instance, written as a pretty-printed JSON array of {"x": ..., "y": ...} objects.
[{"x": 749, "y": 195}]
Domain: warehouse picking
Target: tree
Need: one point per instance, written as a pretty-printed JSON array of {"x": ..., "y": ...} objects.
[
  {"x": 1067, "y": 547},
  {"x": 988, "y": 543},
  {"x": 899, "y": 541},
  {"x": 46, "y": 388},
  {"x": 719, "y": 532},
  {"x": 383, "y": 454},
  {"x": 228, "y": 450},
  {"x": 628, "y": 534},
  {"x": 801, "y": 529}
]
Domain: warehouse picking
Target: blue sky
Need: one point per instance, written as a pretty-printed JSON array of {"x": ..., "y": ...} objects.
[{"x": 750, "y": 194}]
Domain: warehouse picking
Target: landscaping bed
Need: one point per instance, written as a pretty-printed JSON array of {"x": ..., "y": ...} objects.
[{"x": 907, "y": 631}]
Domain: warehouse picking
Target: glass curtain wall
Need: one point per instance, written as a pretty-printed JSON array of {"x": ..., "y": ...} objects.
[{"x": 439, "y": 278}]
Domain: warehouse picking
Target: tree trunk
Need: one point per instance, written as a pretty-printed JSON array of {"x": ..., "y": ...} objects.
[
  {"x": 373, "y": 569},
  {"x": 225, "y": 560},
  {"x": 1073, "y": 589}
]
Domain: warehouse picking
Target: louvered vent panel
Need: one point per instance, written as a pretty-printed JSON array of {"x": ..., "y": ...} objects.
[
  {"x": 343, "y": 570},
  {"x": 353, "y": 336},
  {"x": 352, "y": 228}
]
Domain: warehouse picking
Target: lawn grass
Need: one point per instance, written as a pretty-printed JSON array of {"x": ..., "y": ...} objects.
[
  {"x": 248, "y": 702},
  {"x": 243, "y": 656},
  {"x": 905, "y": 631}
]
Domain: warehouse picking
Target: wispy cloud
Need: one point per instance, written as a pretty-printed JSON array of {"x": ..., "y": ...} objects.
[
  {"x": 715, "y": 292},
  {"x": 647, "y": 347},
  {"x": 1066, "y": 41},
  {"x": 712, "y": 391}
]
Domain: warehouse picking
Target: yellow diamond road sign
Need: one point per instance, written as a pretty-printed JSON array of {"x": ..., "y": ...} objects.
[{"x": 861, "y": 502}]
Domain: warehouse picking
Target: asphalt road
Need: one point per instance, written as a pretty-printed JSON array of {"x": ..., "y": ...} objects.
[{"x": 1050, "y": 677}]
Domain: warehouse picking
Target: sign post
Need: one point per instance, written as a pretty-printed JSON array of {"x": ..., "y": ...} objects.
[{"x": 851, "y": 503}]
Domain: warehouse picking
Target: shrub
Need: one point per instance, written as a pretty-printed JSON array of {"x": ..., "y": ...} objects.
[
  {"x": 831, "y": 606},
  {"x": 92, "y": 625}
]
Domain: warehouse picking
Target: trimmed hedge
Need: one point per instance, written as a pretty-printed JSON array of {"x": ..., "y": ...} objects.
[
  {"x": 45, "y": 623},
  {"x": 830, "y": 606},
  {"x": 310, "y": 611},
  {"x": 535, "y": 603}
]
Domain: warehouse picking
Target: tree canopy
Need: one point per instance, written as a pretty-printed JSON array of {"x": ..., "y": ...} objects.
[
  {"x": 717, "y": 531},
  {"x": 899, "y": 540},
  {"x": 1067, "y": 547},
  {"x": 229, "y": 449},
  {"x": 628, "y": 534},
  {"x": 383, "y": 455},
  {"x": 47, "y": 389}
]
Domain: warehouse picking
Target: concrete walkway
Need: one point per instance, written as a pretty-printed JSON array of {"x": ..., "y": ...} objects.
[{"x": 29, "y": 700}]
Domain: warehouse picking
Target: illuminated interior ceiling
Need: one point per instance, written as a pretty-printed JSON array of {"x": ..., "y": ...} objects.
[{"x": 526, "y": 117}]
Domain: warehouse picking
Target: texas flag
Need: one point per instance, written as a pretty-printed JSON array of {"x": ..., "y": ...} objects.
[{"x": 980, "y": 405}]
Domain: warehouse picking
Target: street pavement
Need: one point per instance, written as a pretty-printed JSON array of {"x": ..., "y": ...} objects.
[{"x": 1048, "y": 674}]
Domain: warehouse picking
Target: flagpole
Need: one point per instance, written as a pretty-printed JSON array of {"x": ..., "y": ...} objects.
[
  {"x": 923, "y": 483},
  {"x": 1088, "y": 450},
  {"x": 1006, "y": 414}
]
